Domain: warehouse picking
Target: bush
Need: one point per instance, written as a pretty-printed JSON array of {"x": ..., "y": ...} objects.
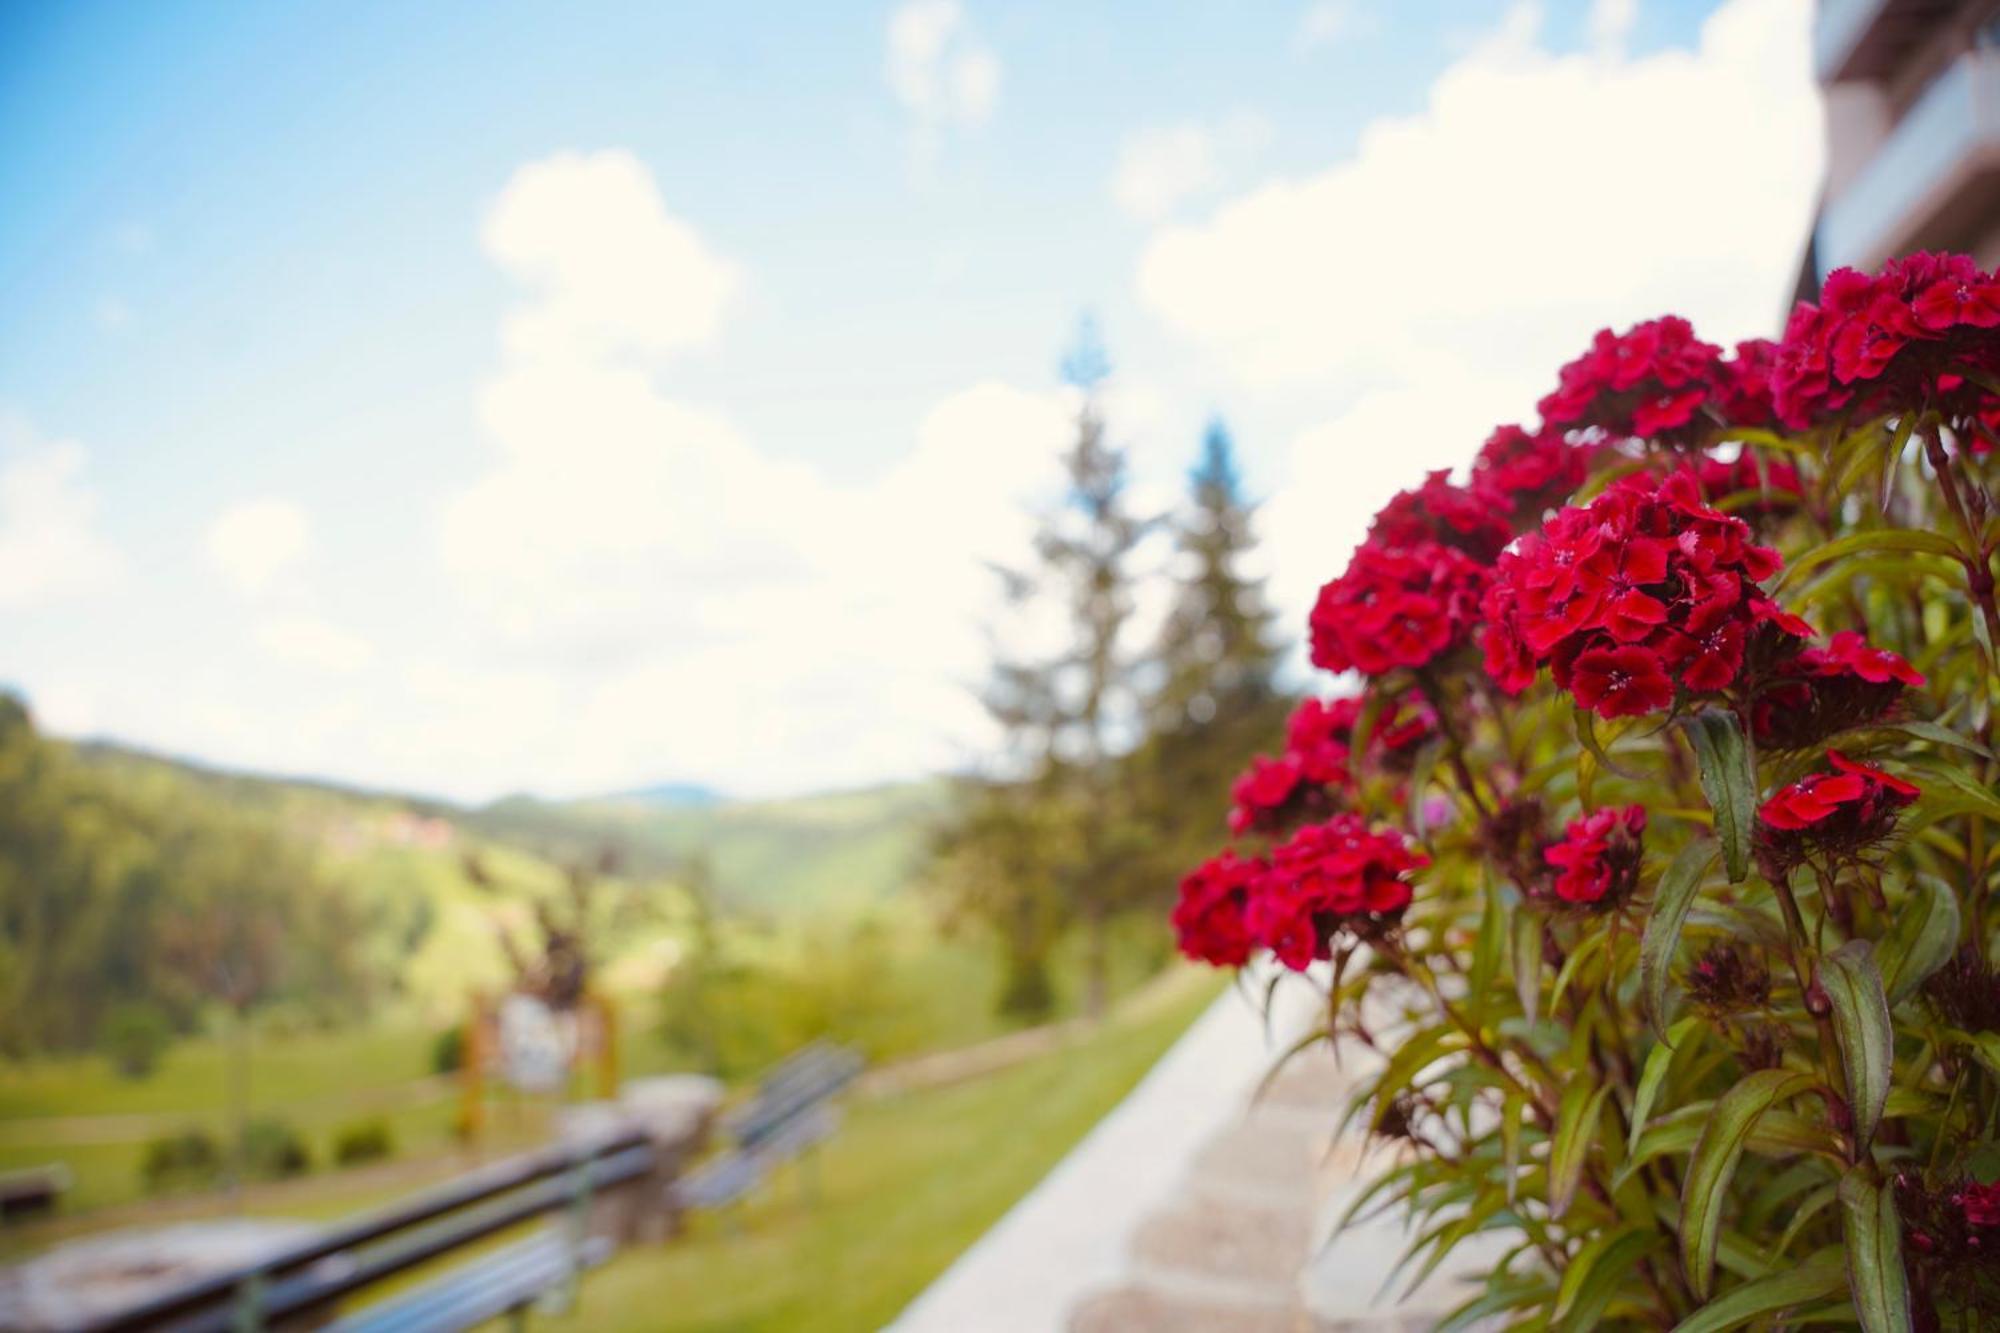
[
  {"x": 363, "y": 1141},
  {"x": 448, "y": 1051},
  {"x": 1656, "y": 853},
  {"x": 274, "y": 1150},
  {"x": 190, "y": 1159},
  {"x": 133, "y": 1037}
]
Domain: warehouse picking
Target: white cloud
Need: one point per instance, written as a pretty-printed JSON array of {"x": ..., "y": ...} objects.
[
  {"x": 1428, "y": 287},
  {"x": 1536, "y": 197},
  {"x": 938, "y": 68},
  {"x": 607, "y": 267},
  {"x": 311, "y": 642},
  {"x": 1325, "y": 22},
  {"x": 254, "y": 543},
  {"x": 1610, "y": 24},
  {"x": 50, "y": 544},
  {"x": 656, "y": 595},
  {"x": 1158, "y": 169}
]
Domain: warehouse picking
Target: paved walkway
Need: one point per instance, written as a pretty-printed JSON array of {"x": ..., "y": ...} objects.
[{"x": 1190, "y": 1208}]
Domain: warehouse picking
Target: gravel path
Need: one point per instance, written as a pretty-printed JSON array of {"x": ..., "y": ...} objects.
[{"x": 1194, "y": 1207}]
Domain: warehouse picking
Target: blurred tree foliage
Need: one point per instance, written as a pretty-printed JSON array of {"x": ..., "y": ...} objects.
[
  {"x": 127, "y": 907},
  {"x": 1215, "y": 699},
  {"x": 1113, "y": 752}
]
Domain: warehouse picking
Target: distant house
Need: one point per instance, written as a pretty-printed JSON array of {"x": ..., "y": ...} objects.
[{"x": 1912, "y": 91}]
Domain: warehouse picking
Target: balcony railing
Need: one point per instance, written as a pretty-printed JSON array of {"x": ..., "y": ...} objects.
[{"x": 1944, "y": 147}]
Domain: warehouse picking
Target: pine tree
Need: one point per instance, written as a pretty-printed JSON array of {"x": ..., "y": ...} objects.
[
  {"x": 1051, "y": 842},
  {"x": 1215, "y": 700}
]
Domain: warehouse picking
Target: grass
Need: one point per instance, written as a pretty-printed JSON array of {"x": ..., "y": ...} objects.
[
  {"x": 908, "y": 1182},
  {"x": 922, "y": 994}
]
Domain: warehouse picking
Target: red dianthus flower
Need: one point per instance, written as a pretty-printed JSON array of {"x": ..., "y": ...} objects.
[
  {"x": 1473, "y": 521},
  {"x": 1209, "y": 919},
  {"x": 1891, "y": 342},
  {"x": 1650, "y": 382},
  {"x": 1396, "y": 607},
  {"x": 1329, "y": 877},
  {"x": 1640, "y": 594},
  {"x": 1838, "y": 815},
  {"x": 1820, "y": 692},
  {"x": 1598, "y": 858}
]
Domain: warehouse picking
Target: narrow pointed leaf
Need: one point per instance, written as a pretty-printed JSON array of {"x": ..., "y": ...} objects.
[
  {"x": 1713, "y": 1162},
  {"x": 1658, "y": 1061},
  {"x": 1671, "y": 901},
  {"x": 1861, "y": 1027},
  {"x": 1723, "y": 758},
  {"x": 1576, "y": 1130},
  {"x": 1874, "y": 1255},
  {"x": 1822, "y": 1275},
  {"x": 1594, "y": 1276},
  {"x": 1527, "y": 958},
  {"x": 1926, "y": 932}
]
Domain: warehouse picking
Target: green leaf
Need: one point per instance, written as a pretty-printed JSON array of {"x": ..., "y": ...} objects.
[
  {"x": 1726, "y": 779},
  {"x": 1861, "y": 1029},
  {"x": 1713, "y": 1162},
  {"x": 1420, "y": 780},
  {"x": 1492, "y": 933},
  {"x": 1576, "y": 1129},
  {"x": 1658, "y": 1061},
  {"x": 1822, "y": 1275},
  {"x": 1671, "y": 900},
  {"x": 1939, "y": 735},
  {"x": 1604, "y": 1264},
  {"x": 1511, "y": 1112},
  {"x": 1925, "y": 934},
  {"x": 1527, "y": 958},
  {"x": 1875, "y": 539},
  {"x": 1874, "y": 1254}
]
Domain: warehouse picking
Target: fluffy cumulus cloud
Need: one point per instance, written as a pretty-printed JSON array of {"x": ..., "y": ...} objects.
[
  {"x": 255, "y": 543},
  {"x": 1431, "y": 283},
  {"x": 607, "y": 268},
  {"x": 655, "y": 595},
  {"x": 1159, "y": 169},
  {"x": 937, "y": 67},
  {"x": 51, "y": 547},
  {"x": 310, "y": 642}
]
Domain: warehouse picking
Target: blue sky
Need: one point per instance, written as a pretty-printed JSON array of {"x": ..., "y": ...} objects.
[{"x": 481, "y": 397}]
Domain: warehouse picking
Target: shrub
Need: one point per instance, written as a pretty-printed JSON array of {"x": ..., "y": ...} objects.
[
  {"x": 448, "y": 1051},
  {"x": 363, "y": 1141},
  {"x": 134, "y": 1037},
  {"x": 190, "y": 1159},
  {"x": 274, "y": 1150},
  {"x": 1673, "y": 923}
]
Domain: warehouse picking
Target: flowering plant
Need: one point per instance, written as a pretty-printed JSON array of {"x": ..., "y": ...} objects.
[{"x": 1655, "y": 851}]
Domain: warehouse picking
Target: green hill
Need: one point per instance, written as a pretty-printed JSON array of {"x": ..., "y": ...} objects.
[{"x": 834, "y": 854}]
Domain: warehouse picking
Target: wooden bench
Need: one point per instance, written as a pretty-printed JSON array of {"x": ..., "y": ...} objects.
[
  {"x": 33, "y": 1191},
  {"x": 790, "y": 1111},
  {"x": 506, "y": 1281}
]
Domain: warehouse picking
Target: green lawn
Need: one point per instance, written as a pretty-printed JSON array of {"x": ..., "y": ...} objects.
[{"x": 903, "y": 1188}]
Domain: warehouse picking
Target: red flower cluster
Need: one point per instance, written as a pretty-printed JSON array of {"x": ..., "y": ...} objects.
[
  {"x": 1396, "y": 607},
  {"x": 1836, "y": 815},
  {"x": 1643, "y": 591},
  {"x": 1210, "y": 918},
  {"x": 1597, "y": 861},
  {"x": 1650, "y": 382},
  {"x": 1533, "y": 472},
  {"x": 1743, "y": 384},
  {"x": 1884, "y": 343},
  {"x": 1951, "y": 1245},
  {"x": 1272, "y": 795},
  {"x": 1328, "y": 877},
  {"x": 1319, "y": 734},
  {"x": 1821, "y": 692},
  {"x": 1451, "y": 515}
]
